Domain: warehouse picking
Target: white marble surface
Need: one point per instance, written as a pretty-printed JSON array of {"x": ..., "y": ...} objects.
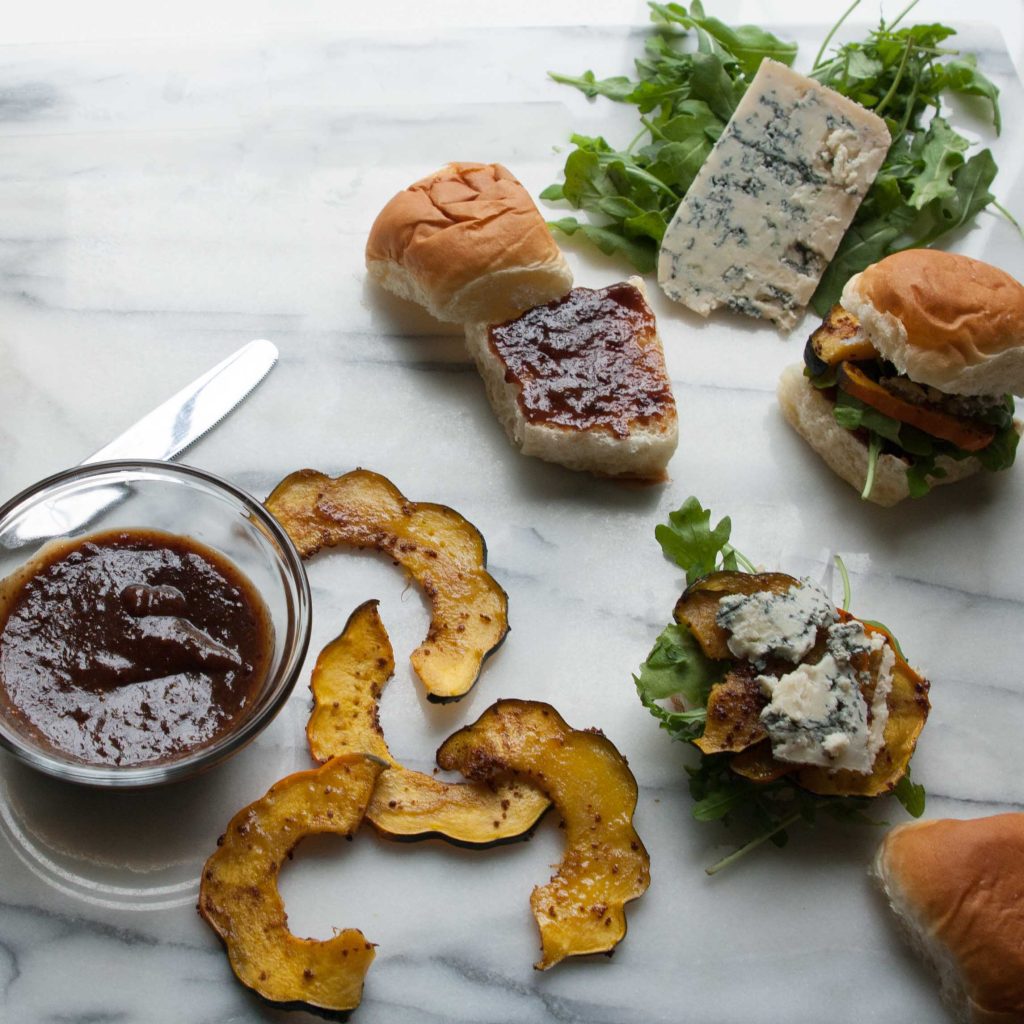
[{"x": 171, "y": 187}]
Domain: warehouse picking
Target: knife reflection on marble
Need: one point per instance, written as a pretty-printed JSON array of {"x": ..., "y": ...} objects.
[{"x": 162, "y": 434}]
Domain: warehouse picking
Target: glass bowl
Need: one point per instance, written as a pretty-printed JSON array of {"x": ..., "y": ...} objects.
[{"x": 180, "y": 500}]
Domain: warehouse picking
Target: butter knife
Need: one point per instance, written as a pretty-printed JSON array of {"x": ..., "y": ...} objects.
[{"x": 161, "y": 435}]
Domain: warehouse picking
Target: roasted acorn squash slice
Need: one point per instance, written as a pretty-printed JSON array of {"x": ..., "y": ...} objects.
[
  {"x": 698, "y": 606},
  {"x": 734, "y": 715},
  {"x": 839, "y": 338},
  {"x": 605, "y": 865},
  {"x": 441, "y": 550},
  {"x": 757, "y": 764},
  {"x": 239, "y": 898},
  {"x": 350, "y": 675}
]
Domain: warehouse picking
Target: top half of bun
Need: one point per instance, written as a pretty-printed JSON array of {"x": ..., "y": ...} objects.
[
  {"x": 468, "y": 244},
  {"x": 943, "y": 319},
  {"x": 958, "y": 887}
]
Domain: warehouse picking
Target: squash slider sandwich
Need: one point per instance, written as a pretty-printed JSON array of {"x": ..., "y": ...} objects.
[{"x": 909, "y": 381}]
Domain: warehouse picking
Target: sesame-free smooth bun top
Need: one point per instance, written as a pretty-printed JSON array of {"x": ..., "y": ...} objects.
[
  {"x": 944, "y": 319},
  {"x": 960, "y": 887},
  {"x": 468, "y": 243}
]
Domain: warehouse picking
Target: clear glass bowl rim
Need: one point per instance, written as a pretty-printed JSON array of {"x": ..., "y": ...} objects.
[{"x": 280, "y": 687}]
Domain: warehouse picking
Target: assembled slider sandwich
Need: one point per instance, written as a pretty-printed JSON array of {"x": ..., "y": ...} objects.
[{"x": 909, "y": 381}]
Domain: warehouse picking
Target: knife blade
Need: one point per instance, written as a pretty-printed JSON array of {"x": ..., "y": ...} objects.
[
  {"x": 160, "y": 435},
  {"x": 180, "y": 421}
]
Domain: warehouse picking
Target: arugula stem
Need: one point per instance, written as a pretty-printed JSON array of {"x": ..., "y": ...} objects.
[
  {"x": 748, "y": 565},
  {"x": 1009, "y": 216},
  {"x": 752, "y": 845},
  {"x": 906, "y": 10},
  {"x": 841, "y": 565},
  {"x": 907, "y": 114},
  {"x": 639, "y": 135},
  {"x": 899, "y": 76},
  {"x": 874, "y": 447},
  {"x": 656, "y": 132},
  {"x": 835, "y": 28}
]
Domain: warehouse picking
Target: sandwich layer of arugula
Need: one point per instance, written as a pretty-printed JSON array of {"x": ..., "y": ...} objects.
[
  {"x": 688, "y": 83},
  {"x": 776, "y": 724}
]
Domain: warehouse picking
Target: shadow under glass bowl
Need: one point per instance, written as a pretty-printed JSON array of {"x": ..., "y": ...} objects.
[{"x": 189, "y": 502}]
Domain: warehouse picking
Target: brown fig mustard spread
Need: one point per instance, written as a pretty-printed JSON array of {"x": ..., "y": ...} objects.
[
  {"x": 130, "y": 647},
  {"x": 588, "y": 360}
]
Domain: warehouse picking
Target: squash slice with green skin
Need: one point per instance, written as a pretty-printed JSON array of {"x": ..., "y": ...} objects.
[
  {"x": 239, "y": 898},
  {"x": 605, "y": 865},
  {"x": 348, "y": 680},
  {"x": 733, "y": 716},
  {"x": 438, "y": 548}
]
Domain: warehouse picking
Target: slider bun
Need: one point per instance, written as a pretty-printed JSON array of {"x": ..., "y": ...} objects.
[
  {"x": 957, "y": 888},
  {"x": 945, "y": 320},
  {"x": 468, "y": 244},
  {"x": 810, "y": 414}
]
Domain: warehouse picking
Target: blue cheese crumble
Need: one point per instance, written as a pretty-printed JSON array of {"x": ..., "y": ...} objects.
[
  {"x": 776, "y": 625},
  {"x": 818, "y": 715}
]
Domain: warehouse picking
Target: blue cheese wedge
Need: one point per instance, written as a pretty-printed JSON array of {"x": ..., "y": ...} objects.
[
  {"x": 818, "y": 714},
  {"x": 771, "y": 203},
  {"x": 766, "y": 625}
]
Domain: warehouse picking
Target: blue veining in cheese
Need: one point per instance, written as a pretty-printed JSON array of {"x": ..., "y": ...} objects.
[
  {"x": 778, "y": 625},
  {"x": 771, "y": 203},
  {"x": 818, "y": 714}
]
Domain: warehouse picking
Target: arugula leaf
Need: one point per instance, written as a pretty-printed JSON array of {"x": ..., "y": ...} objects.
[
  {"x": 690, "y": 542},
  {"x": 970, "y": 196},
  {"x": 676, "y": 664},
  {"x": 963, "y": 76},
  {"x": 941, "y": 152},
  {"x": 747, "y": 44},
  {"x": 911, "y": 795},
  {"x": 1001, "y": 452},
  {"x": 617, "y": 88}
]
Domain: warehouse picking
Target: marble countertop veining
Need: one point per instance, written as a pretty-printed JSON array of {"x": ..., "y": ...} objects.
[{"x": 171, "y": 188}]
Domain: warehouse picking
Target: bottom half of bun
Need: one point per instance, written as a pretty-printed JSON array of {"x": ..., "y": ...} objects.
[
  {"x": 643, "y": 454},
  {"x": 809, "y": 412},
  {"x": 493, "y": 296}
]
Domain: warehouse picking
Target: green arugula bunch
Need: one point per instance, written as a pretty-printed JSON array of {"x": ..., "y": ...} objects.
[
  {"x": 677, "y": 667},
  {"x": 693, "y": 74}
]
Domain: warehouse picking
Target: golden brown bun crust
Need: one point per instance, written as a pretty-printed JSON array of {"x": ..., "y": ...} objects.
[
  {"x": 947, "y": 301},
  {"x": 466, "y": 222},
  {"x": 962, "y": 883}
]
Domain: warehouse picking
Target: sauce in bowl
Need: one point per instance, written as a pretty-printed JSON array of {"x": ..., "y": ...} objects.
[{"x": 130, "y": 647}]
